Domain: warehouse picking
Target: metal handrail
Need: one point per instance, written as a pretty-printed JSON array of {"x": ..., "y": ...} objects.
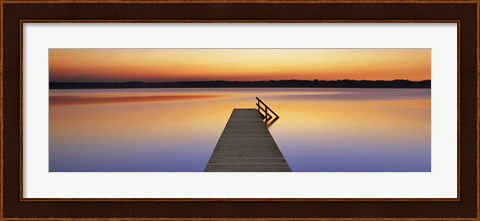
[{"x": 266, "y": 110}]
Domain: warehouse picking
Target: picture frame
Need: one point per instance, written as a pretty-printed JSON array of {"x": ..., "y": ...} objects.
[{"x": 15, "y": 13}]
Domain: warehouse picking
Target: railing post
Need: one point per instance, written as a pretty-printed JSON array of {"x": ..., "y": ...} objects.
[{"x": 266, "y": 113}]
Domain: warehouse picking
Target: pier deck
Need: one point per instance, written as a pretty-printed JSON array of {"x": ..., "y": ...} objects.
[{"x": 246, "y": 145}]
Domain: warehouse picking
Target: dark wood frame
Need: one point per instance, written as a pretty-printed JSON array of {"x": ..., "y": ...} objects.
[{"x": 14, "y": 13}]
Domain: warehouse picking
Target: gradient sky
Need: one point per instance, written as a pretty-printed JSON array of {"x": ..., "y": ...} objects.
[{"x": 113, "y": 65}]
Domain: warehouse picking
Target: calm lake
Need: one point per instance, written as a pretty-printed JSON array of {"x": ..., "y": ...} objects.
[{"x": 175, "y": 130}]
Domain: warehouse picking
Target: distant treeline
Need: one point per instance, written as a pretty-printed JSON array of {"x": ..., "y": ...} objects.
[{"x": 246, "y": 84}]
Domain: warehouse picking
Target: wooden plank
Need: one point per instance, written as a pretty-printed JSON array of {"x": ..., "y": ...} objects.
[{"x": 246, "y": 145}]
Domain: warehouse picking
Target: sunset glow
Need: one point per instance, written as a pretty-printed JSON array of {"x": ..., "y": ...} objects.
[{"x": 115, "y": 65}]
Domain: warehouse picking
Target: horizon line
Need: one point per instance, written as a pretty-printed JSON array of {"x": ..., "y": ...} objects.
[{"x": 188, "y": 81}]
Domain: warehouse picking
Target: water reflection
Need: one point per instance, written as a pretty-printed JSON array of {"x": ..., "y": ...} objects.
[
  {"x": 175, "y": 130},
  {"x": 82, "y": 99}
]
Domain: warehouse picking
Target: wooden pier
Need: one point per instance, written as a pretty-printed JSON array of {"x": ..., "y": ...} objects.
[{"x": 246, "y": 145}]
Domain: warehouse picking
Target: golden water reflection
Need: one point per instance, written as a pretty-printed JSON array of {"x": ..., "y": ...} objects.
[{"x": 176, "y": 129}]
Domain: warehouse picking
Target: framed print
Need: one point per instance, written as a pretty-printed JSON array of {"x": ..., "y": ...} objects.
[{"x": 159, "y": 110}]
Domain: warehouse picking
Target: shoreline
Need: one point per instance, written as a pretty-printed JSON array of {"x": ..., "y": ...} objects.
[{"x": 245, "y": 84}]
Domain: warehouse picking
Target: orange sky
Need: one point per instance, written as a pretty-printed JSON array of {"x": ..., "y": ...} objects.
[{"x": 97, "y": 65}]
